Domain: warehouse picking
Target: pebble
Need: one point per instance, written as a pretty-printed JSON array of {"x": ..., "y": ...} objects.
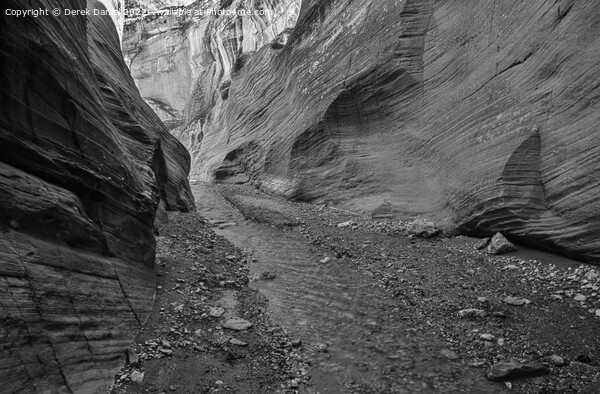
[
  {"x": 449, "y": 354},
  {"x": 237, "y": 324},
  {"x": 237, "y": 342},
  {"x": 580, "y": 297},
  {"x": 486, "y": 337},
  {"x": 557, "y": 360},
  {"x": 516, "y": 301},
  {"x": 267, "y": 275},
  {"x": 472, "y": 312},
  {"x": 216, "y": 311}
]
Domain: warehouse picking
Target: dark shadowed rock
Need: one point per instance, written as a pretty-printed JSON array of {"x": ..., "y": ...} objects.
[
  {"x": 84, "y": 164},
  {"x": 479, "y": 114},
  {"x": 511, "y": 370},
  {"x": 499, "y": 245}
]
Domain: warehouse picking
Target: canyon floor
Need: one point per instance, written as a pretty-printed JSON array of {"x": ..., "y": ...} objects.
[{"x": 338, "y": 304}]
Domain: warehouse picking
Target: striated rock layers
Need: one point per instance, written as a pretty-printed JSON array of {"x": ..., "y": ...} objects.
[
  {"x": 483, "y": 115},
  {"x": 84, "y": 166}
]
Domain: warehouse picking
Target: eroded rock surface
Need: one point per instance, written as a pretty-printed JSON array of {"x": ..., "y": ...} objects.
[
  {"x": 84, "y": 166},
  {"x": 480, "y": 115}
]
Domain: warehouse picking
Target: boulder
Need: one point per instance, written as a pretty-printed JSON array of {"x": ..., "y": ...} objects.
[
  {"x": 499, "y": 245},
  {"x": 421, "y": 227}
]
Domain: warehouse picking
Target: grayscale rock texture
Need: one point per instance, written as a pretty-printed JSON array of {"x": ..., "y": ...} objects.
[
  {"x": 482, "y": 115},
  {"x": 85, "y": 165}
]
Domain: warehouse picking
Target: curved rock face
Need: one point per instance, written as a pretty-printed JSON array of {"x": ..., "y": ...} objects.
[
  {"x": 183, "y": 63},
  {"x": 84, "y": 166},
  {"x": 483, "y": 115}
]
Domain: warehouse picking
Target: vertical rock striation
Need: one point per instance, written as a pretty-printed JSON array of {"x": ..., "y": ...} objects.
[
  {"x": 84, "y": 166},
  {"x": 480, "y": 114}
]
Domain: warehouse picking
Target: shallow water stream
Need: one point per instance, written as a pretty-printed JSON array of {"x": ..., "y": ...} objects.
[{"x": 322, "y": 301}]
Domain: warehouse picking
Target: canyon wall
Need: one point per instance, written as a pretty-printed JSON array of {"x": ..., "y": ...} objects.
[
  {"x": 483, "y": 115},
  {"x": 84, "y": 167}
]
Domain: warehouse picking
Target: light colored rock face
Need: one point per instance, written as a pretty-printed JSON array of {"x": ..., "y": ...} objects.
[
  {"x": 183, "y": 64},
  {"x": 83, "y": 165},
  {"x": 481, "y": 115}
]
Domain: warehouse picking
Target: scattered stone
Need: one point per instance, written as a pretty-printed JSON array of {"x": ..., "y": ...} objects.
[
  {"x": 325, "y": 260},
  {"x": 510, "y": 370},
  {"x": 237, "y": 342},
  {"x": 216, "y": 311},
  {"x": 132, "y": 358},
  {"x": 482, "y": 299},
  {"x": 516, "y": 301},
  {"x": 472, "y": 312},
  {"x": 482, "y": 243},
  {"x": 500, "y": 245},
  {"x": 583, "y": 358},
  {"x": 136, "y": 376},
  {"x": 237, "y": 324},
  {"x": 510, "y": 267},
  {"x": 421, "y": 227},
  {"x": 557, "y": 360},
  {"x": 296, "y": 343},
  {"x": 267, "y": 275},
  {"x": 323, "y": 348},
  {"x": 449, "y": 354},
  {"x": 219, "y": 383},
  {"x": 500, "y": 341},
  {"x": 487, "y": 337},
  {"x": 345, "y": 224},
  {"x": 166, "y": 352},
  {"x": 597, "y": 312},
  {"x": 580, "y": 297},
  {"x": 478, "y": 363},
  {"x": 165, "y": 344},
  {"x": 294, "y": 383}
]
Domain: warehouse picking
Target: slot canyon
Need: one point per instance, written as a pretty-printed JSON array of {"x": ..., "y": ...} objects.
[{"x": 300, "y": 196}]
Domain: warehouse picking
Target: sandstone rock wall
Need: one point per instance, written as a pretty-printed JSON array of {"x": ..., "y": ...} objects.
[
  {"x": 183, "y": 65},
  {"x": 481, "y": 114},
  {"x": 84, "y": 165}
]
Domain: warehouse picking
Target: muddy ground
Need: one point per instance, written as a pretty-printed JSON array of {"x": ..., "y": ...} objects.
[{"x": 409, "y": 329}]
